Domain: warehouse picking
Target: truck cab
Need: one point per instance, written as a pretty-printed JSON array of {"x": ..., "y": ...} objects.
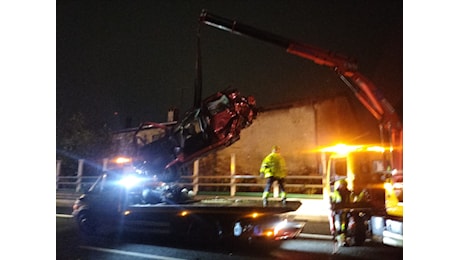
[{"x": 367, "y": 170}]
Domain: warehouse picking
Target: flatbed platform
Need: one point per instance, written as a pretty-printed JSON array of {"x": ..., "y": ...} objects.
[{"x": 220, "y": 205}]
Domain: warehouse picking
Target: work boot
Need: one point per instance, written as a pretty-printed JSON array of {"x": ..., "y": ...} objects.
[
  {"x": 265, "y": 202},
  {"x": 341, "y": 240},
  {"x": 283, "y": 201}
]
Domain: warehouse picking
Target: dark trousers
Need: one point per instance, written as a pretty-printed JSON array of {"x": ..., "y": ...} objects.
[
  {"x": 340, "y": 222},
  {"x": 270, "y": 181}
]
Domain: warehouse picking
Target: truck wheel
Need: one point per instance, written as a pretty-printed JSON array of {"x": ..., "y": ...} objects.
[
  {"x": 360, "y": 232},
  {"x": 204, "y": 231},
  {"x": 86, "y": 223},
  {"x": 93, "y": 231}
]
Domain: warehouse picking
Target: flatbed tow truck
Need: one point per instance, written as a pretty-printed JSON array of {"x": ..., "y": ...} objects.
[
  {"x": 139, "y": 193},
  {"x": 119, "y": 203}
]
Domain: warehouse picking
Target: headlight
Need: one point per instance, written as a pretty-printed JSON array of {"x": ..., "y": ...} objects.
[{"x": 130, "y": 181}]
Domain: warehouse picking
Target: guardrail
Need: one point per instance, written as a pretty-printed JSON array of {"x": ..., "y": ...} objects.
[
  {"x": 227, "y": 183},
  {"x": 232, "y": 184},
  {"x": 74, "y": 183}
]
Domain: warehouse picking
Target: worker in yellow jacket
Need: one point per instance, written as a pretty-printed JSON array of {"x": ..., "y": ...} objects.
[
  {"x": 273, "y": 168},
  {"x": 341, "y": 198}
]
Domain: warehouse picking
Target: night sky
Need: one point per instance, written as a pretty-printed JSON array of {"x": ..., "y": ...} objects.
[{"x": 136, "y": 59}]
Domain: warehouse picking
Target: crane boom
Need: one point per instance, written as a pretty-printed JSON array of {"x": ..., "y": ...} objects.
[{"x": 346, "y": 68}]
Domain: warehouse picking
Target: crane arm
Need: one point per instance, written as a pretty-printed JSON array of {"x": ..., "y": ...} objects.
[
  {"x": 346, "y": 68},
  {"x": 317, "y": 55}
]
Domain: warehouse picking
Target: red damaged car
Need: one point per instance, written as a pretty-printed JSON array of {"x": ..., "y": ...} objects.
[{"x": 215, "y": 125}]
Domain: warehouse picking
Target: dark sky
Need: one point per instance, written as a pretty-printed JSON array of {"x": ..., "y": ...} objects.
[{"x": 137, "y": 58}]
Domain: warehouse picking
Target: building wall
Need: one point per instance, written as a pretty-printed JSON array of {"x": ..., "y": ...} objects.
[{"x": 298, "y": 128}]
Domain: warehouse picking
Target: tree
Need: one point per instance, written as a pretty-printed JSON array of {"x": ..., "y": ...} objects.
[{"x": 76, "y": 140}]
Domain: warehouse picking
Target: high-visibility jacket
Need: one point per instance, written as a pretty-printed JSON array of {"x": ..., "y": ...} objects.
[
  {"x": 273, "y": 165},
  {"x": 343, "y": 197}
]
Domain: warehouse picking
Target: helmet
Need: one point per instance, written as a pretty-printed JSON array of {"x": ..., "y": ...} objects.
[{"x": 341, "y": 184}]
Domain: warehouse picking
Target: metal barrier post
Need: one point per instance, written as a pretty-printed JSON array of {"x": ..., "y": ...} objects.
[
  {"x": 195, "y": 179},
  {"x": 232, "y": 175},
  {"x": 325, "y": 180},
  {"x": 105, "y": 162},
  {"x": 79, "y": 174},
  {"x": 58, "y": 172},
  {"x": 276, "y": 190}
]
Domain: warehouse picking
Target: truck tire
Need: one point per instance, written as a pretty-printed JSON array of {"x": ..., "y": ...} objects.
[
  {"x": 359, "y": 232},
  {"x": 91, "y": 230},
  {"x": 206, "y": 231},
  {"x": 87, "y": 223}
]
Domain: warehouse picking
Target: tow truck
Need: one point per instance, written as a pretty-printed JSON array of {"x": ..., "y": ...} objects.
[
  {"x": 140, "y": 193},
  {"x": 123, "y": 201},
  {"x": 384, "y": 182},
  {"x": 367, "y": 171}
]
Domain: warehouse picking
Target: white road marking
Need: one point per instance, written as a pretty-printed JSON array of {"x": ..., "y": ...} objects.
[
  {"x": 315, "y": 236},
  {"x": 63, "y": 216},
  {"x": 121, "y": 252}
]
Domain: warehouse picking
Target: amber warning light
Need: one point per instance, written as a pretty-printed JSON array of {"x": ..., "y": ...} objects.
[
  {"x": 345, "y": 149},
  {"x": 121, "y": 160}
]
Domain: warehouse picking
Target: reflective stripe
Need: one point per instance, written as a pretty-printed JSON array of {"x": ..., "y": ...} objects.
[{"x": 265, "y": 194}]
